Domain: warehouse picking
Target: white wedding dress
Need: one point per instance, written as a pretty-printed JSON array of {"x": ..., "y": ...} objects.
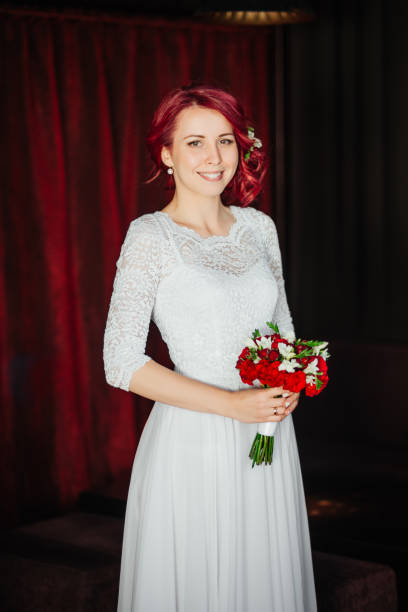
[{"x": 204, "y": 532}]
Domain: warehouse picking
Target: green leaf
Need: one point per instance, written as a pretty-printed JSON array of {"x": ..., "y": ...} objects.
[
  {"x": 255, "y": 334},
  {"x": 273, "y": 326},
  {"x": 305, "y": 353}
]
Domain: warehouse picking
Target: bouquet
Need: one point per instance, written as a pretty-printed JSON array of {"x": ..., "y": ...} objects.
[{"x": 281, "y": 360}]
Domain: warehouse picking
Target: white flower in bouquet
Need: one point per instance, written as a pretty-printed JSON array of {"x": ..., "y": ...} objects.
[
  {"x": 265, "y": 343},
  {"x": 251, "y": 344},
  {"x": 325, "y": 354},
  {"x": 286, "y": 350},
  {"x": 312, "y": 368},
  {"x": 319, "y": 347},
  {"x": 288, "y": 365},
  {"x": 289, "y": 336}
]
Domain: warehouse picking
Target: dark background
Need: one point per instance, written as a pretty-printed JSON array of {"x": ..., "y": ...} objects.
[{"x": 329, "y": 99}]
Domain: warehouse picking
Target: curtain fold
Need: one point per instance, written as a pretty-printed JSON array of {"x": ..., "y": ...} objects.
[
  {"x": 347, "y": 141},
  {"x": 78, "y": 97}
]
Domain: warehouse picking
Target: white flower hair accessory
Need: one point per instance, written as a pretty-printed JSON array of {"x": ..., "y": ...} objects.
[{"x": 257, "y": 143}]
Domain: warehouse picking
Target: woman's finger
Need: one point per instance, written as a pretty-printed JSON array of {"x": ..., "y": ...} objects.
[
  {"x": 280, "y": 404},
  {"x": 291, "y": 399},
  {"x": 293, "y": 402},
  {"x": 275, "y": 391}
]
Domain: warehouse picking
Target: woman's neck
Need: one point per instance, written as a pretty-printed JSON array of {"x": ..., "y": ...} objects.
[{"x": 202, "y": 214}]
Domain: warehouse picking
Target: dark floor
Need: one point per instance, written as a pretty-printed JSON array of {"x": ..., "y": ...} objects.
[{"x": 357, "y": 503}]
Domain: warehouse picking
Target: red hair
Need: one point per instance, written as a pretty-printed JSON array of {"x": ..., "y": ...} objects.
[{"x": 247, "y": 180}]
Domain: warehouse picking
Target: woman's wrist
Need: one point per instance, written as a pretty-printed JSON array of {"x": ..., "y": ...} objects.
[
  {"x": 227, "y": 404},
  {"x": 159, "y": 383}
]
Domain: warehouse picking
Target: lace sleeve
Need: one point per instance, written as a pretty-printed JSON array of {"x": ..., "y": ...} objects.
[
  {"x": 133, "y": 296},
  {"x": 282, "y": 316}
]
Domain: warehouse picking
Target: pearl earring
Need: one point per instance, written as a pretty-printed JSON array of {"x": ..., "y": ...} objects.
[{"x": 169, "y": 170}]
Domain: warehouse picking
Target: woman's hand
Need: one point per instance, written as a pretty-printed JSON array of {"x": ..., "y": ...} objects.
[
  {"x": 261, "y": 405},
  {"x": 293, "y": 399}
]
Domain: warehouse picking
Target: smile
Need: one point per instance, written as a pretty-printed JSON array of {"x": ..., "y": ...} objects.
[{"x": 211, "y": 176}]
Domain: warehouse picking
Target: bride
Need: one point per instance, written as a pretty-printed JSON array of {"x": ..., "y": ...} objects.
[{"x": 204, "y": 532}]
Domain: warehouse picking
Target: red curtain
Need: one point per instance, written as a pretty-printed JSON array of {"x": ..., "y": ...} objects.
[{"x": 78, "y": 93}]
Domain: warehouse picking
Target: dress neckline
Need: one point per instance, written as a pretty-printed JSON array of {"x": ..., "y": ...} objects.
[{"x": 213, "y": 237}]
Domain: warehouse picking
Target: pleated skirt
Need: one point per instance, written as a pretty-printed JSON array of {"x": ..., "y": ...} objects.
[{"x": 206, "y": 532}]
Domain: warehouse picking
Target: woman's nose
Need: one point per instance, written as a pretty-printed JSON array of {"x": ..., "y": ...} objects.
[{"x": 213, "y": 156}]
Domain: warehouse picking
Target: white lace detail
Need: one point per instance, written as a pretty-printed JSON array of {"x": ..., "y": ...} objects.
[
  {"x": 196, "y": 235},
  {"x": 206, "y": 295}
]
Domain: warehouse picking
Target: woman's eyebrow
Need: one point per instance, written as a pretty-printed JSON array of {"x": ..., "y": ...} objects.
[{"x": 200, "y": 135}]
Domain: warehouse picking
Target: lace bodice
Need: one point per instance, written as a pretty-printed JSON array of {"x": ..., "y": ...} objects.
[{"x": 206, "y": 295}]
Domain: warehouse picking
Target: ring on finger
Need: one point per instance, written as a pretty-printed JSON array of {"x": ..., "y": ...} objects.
[{"x": 275, "y": 412}]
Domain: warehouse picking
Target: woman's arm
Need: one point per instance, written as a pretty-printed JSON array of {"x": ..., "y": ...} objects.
[
  {"x": 133, "y": 296},
  {"x": 161, "y": 384},
  {"x": 282, "y": 315}
]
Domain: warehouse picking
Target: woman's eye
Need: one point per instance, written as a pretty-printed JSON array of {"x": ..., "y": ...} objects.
[{"x": 198, "y": 143}]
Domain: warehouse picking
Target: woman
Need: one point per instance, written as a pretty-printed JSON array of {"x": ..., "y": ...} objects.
[{"x": 204, "y": 532}]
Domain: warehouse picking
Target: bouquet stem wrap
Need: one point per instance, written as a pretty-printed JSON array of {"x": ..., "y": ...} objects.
[{"x": 262, "y": 446}]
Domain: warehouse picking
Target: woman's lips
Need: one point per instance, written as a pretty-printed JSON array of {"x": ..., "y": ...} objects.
[{"x": 211, "y": 176}]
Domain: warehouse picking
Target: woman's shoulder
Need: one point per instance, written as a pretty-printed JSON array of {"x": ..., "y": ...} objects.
[
  {"x": 146, "y": 222},
  {"x": 145, "y": 227},
  {"x": 142, "y": 236},
  {"x": 257, "y": 217}
]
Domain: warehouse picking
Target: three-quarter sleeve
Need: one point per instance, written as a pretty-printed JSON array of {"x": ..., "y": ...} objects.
[
  {"x": 282, "y": 316},
  {"x": 133, "y": 296}
]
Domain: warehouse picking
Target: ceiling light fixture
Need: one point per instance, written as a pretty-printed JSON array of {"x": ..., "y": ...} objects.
[
  {"x": 247, "y": 12},
  {"x": 257, "y": 18}
]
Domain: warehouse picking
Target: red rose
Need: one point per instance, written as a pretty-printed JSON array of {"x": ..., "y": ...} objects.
[
  {"x": 269, "y": 374},
  {"x": 301, "y": 347},
  {"x": 244, "y": 354},
  {"x": 248, "y": 371},
  {"x": 276, "y": 339},
  {"x": 263, "y": 353},
  {"x": 324, "y": 379},
  {"x": 322, "y": 365},
  {"x": 311, "y": 390},
  {"x": 263, "y": 372},
  {"x": 295, "y": 381},
  {"x": 273, "y": 355},
  {"x": 304, "y": 361}
]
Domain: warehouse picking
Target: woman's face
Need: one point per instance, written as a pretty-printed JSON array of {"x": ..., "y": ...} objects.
[{"x": 204, "y": 152}]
